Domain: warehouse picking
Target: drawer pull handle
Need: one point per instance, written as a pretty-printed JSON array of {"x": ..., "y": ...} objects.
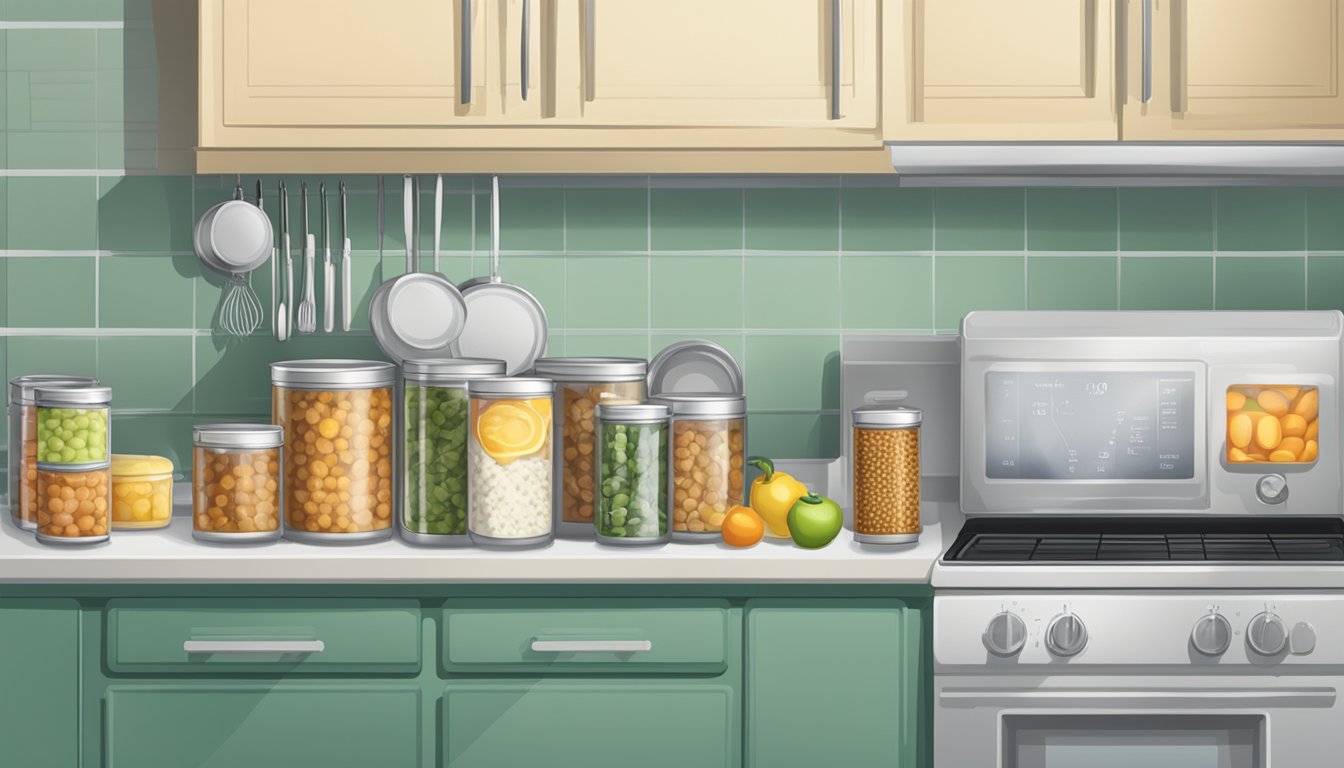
[
  {"x": 254, "y": 646},
  {"x": 591, "y": 646}
]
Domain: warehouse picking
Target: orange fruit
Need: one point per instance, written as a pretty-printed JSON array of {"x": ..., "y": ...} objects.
[
  {"x": 510, "y": 429},
  {"x": 742, "y": 527}
]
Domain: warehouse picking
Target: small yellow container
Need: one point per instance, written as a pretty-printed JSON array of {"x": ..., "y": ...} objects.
[{"x": 142, "y": 491}]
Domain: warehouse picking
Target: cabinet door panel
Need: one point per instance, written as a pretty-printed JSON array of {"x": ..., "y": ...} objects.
[
  {"x": 263, "y": 726},
  {"x": 831, "y": 678},
  {"x": 1000, "y": 69},
  {"x": 1239, "y": 69},
  {"x": 597, "y": 725},
  {"x": 39, "y": 683}
]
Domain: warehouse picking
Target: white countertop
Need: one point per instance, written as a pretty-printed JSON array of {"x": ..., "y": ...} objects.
[{"x": 170, "y": 556}]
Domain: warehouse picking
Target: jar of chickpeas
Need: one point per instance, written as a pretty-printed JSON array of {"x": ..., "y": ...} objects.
[
  {"x": 23, "y": 441},
  {"x": 434, "y": 448},
  {"x": 235, "y": 482},
  {"x": 886, "y": 474},
  {"x": 339, "y": 448},
  {"x": 581, "y": 383},
  {"x": 709, "y": 439},
  {"x": 72, "y": 504},
  {"x": 142, "y": 491}
]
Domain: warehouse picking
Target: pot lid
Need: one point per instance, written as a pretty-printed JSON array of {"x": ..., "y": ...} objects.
[{"x": 694, "y": 366}]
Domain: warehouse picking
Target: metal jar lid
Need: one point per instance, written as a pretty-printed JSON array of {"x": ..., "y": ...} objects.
[
  {"x": 704, "y": 406},
  {"x": 72, "y": 397},
  {"x": 332, "y": 374},
  {"x": 22, "y": 388},
  {"x": 510, "y": 387},
  {"x": 231, "y": 435},
  {"x": 633, "y": 413},
  {"x": 886, "y": 417},
  {"x": 592, "y": 368},
  {"x": 450, "y": 370}
]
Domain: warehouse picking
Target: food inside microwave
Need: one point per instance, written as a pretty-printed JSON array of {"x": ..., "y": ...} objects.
[{"x": 1272, "y": 424}]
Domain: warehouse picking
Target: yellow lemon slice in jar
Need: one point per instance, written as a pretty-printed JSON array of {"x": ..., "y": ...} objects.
[
  {"x": 542, "y": 405},
  {"x": 510, "y": 429}
]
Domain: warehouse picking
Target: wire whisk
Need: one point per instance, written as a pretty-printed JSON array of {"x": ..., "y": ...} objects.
[{"x": 240, "y": 311}]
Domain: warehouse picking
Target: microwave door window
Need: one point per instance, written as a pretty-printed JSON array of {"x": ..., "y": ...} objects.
[
  {"x": 1127, "y": 741},
  {"x": 1272, "y": 424}
]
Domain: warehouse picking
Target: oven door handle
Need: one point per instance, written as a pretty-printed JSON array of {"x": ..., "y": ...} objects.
[{"x": 1141, "y": 697}]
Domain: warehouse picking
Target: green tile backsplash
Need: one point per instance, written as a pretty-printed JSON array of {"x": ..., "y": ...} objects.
[{"x": 99, "y": 276}]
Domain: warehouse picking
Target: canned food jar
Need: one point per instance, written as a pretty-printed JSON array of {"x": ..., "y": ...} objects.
[
  {"x": 235, "y": 482},
  {"x": 142, "y": 491},
  {"x": 631, "y": 475},
  {"x": 73, "y": 426},
  {"x": 434, "y": 447},
  {"x": 509, "y": 462},
  {"x": 72, "y": 503},
  {"x": 581, "y": 383},
  {"x": 22, "y": 410},
  {"x": 708, "y": 452},
  {"x": 886, "y": 474},
  {"x": 339, "y": 450}
]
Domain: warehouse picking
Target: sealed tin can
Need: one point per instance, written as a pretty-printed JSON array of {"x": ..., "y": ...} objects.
[
  {"x": 22, "y": 412},
  {"x": 707, "y": 454},
  {"x": 632, "y": 479},
  {"x": 236, "y": 482},
  {"x": 886, "y": 474},
  {"x": 509, "y": 462}
]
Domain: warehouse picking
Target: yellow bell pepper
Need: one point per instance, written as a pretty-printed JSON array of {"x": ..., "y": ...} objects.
[{"x": 773, "y": 494}]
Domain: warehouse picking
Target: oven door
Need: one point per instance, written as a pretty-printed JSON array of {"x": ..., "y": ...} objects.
[{"x": 1136, "y": 722}]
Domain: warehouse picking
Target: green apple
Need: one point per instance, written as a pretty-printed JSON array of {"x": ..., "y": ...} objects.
[{"x": 815, "y": 521}]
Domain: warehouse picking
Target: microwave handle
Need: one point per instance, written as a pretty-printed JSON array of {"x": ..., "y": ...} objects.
[{"x": 1134, "y": 697}]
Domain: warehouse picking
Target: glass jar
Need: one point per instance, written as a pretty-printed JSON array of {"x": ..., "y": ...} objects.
[
  {"x": 708, "y": 453},
  {"x": 235, "y": 482},
  {"x": 580, "y": 384},
  {"x": 631, "y": 474},
  {"x": 339, "y": 448},
  {"x": 434, "y": 447},
  {"x": 509, "y": 462},
  {"x": 142, "y": 491},
  {"x": 886, "y": 474},
  {"x": 22, "y": 409},
  {"x": 73, "y": 504},
  {"x": 74, "y": 426}
]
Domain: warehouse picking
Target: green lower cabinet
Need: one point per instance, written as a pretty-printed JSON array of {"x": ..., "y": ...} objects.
[
  {"x": 832, "y": 682},
  {"x": 39, "y": 683},
  {"x": 279, "y": 725},
  {"x": 591, "y": 724}
]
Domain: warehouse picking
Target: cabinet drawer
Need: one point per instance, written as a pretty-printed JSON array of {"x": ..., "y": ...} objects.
[
  {"x": 586, "y": 636},
  {"x": 280, "y": 636}
]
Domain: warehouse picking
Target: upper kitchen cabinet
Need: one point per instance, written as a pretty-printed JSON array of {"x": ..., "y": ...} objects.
[
  {"x": 1235, "y": 70},
  {"x": 1000, "y": 70}
]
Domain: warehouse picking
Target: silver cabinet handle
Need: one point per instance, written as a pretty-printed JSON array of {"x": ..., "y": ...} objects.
[
  {"x": 591, "y": 646},
  {"x": 1147, "y": 51},
  {"x": 254, "y": 646},
  {"x": 836, "y": 50},
  {"x": 1212, "y": 697},
  {"x": 526, "y": 56},
  {"x": 466, "y": 52},
  {"x": 589, "y": 61}
]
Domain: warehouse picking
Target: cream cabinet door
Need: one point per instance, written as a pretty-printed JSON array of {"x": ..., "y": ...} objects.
[
  {"x": 1236, "y": 70},
  {"x": 778, "y": 64},
  {"x": 986, "y": 70}
]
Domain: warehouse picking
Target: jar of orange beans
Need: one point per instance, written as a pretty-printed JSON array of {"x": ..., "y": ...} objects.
[
  {"x": 709, "y": 440},
  {"x": 339, "y": 454},
  {"x": 74, "y": 474},
  {"x": 23, "y": 441},
  {"x": 235, "y": 482},
  {"x": 886, "y": 474}
]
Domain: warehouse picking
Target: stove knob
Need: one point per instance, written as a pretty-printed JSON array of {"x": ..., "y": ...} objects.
[
  {"x": 1066, "y": 635},
  {"x": 1272, "y": 489},
  {"x": 1211, "y": 635},
  {"x": 1006, "y": 634},
  {"x": 1266, "y": 634}
]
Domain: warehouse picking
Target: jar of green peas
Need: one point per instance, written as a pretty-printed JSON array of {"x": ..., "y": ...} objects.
[
  {"x": 74, "y": 426},
  {"x": 632, "y": 477},
  {"x": 434, "y": 427}
]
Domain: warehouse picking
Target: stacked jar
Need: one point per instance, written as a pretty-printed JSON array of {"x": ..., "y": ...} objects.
[
  {"x": 339, "y": 448},
  {"x": 708, "y": 453},
  {"x": 434, "y": 447},
  {"x": 581, "y": 383},
  {"x": 509, "y": 462},
  {"x": 22, "y": 409},
  {"x": 74, "y": 474},
  {"x": 886, "y": 474},
  {"x": 235, "y": 482},
  {"x": 631, "y": 474}
]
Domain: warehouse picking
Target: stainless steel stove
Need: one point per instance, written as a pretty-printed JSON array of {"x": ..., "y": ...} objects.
[{"x": 1151, "y": 571}]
